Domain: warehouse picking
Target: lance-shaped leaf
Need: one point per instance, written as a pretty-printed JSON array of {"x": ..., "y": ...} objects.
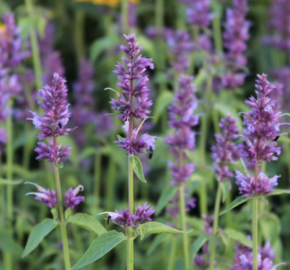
[
  {"x": 165, "y": 197},
  {"x": 279, "y": 192},
  {"x": 7, "y": 182},
  {"x": 238, "y": 236},
  {"x": 99, "y": 247},
  {"x": 38, "y": 233},
  {"x": 156, "y": 227},
  {"x": 225, "y": 190},
  {"x": 197, "y": 244},
  {"x": 137, "y": 167},
  {"x": 87, "y": 222},
  {"x": 234, "y": 204}
]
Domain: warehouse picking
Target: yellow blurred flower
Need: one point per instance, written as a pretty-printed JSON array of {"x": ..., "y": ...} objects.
[
  {"x": 111, "y": 3},
  {"x": 2, "y": 29}
]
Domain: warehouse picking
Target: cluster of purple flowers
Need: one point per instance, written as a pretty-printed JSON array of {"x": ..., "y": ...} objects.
[
  {"x": 83, "y": 110},
  {"x": 173, "y": 208},
  {"x": 235, "y": 36},
  {"x": 52, "y": 123},
  {"x": 50, "y": 59},
  {"x": 262, "y": 128},
  {"x": 198, "y": 12},
  {"x": 134, "y": 85},
  {"x": 225, "y": 151},
  {"x": 202, "y": 261},
  {"x": 49, "y": 197},
  {"x": 126, "y": 219},
  {"x": 182, "y": 119},
  {"x": 279, "y": 24},
  {"x": 243, "y": 258}
]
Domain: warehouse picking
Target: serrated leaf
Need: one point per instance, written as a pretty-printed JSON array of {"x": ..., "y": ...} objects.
[
  {"x": 99, "y": 247},
  {"x": 235, "y": 203},
  {"x": 87, "y": 222},
  {"x": 9, "y": 245},
  {"x": 197, "y": 244},
  {"x": 159, "y": 239},
  {"x": 7, "y": 182},
  {"x": 137, "y": 167},
  {"x": 165, "y": 197},
  {"x": 156, "y": 227},
  {"x": 120, "y": 138},
  {"x": 225, "y": 190},
  {"x": 279, "y": 192},
  {"x": 238, "y": 236},
  {"x": 37, "y": 234},
  {"x": 162, "y": 102}
]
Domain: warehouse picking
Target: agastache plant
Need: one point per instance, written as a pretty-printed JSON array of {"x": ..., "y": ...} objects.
[
  {"x": 224, "y": 152},
  {"x": 182, "y": 120},
  {"x": 262, "y": 128},
  {"x": 235, "y": 37},
  {"x": 52, "y": 125}
]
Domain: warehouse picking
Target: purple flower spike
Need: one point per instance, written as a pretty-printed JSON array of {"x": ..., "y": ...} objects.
[
  {"x": 46, "y": 196},
  {"x": 3, "y": 139},
  {"x": 71, "y": 200},
  {"x": 248, "y": 187},
  {"x": 262, "y": 124},
  {"x": 143, "y": 213},
  {"x": 124, "y": 218},
  {"x": 132, "y": 71},
  {"x": 235, "y": 37},
  {"x": 54, "y": 120},
  {"x": 225, "y": 151}
]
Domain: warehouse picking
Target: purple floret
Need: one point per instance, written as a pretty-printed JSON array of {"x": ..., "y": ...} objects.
[{"x": 71, "y": 198}]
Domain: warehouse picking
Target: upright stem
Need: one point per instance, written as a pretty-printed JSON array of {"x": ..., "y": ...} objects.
[
  {"x": 255, "y": 224},
  {"x": 171, "y": 263},
  {"x": 124, "y": 9},
  {"x": 215, "y": 225},
  {"x": 183, "y": 226},
  {"x": 79, "y": 35},
  {"x": 110, "y": 189},
  {"x": 9, "y": 153},
  {"x": 62, "y": 220},
  {"x": 35, "y": 49},
  {"x": 217, "y": 35},
  {"x": 97, "y": 176}
]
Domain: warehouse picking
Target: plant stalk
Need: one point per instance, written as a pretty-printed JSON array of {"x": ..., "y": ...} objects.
[
  {"x": 97, "y": 176},
  {"x": 124, "y": 10},
  {"x": 79, "y": 35},
  {"x": 255, "y": 223},
  {"x": 35, "y": 49},
  {"x": 215, "y": 225},
  {"x": 171, "y": 264},
  {"x": 183, "y": 226}
]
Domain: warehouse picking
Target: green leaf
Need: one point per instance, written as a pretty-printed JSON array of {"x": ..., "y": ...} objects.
[
  {"x": 54, "y": 213},
  {"x": 225, "y": 189},
  {"x": 235, "y": 203},
  {"x": 9, "y": 245},
  {"x": 137, "y": 167},
  {"x": 162, "y": 102},
  {"x": 279, "y": 192},
  {"x": 99, "y": 247},
  {"x": 37, "y": 234},
  {"x": 166, "y": 195},
  {"x": 238, "y": 236},
  {"x": 121, "y": 139},
  {"x": 7, "y": 182},
  {"x": 87, "y": 222},
  {"x": 270, "y": 227},
  {"x": 59, "y": 165},
  {"x": 159, "y": 239},
  {"x": 99, "y": 46},
  {"x": 197, "y": 244},
  {"x": 156, "y": 227}
]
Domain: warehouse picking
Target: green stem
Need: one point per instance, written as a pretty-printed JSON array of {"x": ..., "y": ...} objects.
[
  {"x": 217, "y": 31},
  {"x": 130, "y": 244},
  {"x": 171, "y": 263},
  {"x": 228, "y": 215},
  {"x": 79, "y": 35},
  {"x": 62, "y": 220},
  {"x": 202, "y": 190},
  {"x": 35, "y": 48},
  {"x": 215, "y": 226},
  {"x": 183, "y": 226},
  {"x": 110, "y": 194},
  {"x": 98, "y": 177},
  {"x": 124, "y": 10},
  {"x": 255, "y": 223}
]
